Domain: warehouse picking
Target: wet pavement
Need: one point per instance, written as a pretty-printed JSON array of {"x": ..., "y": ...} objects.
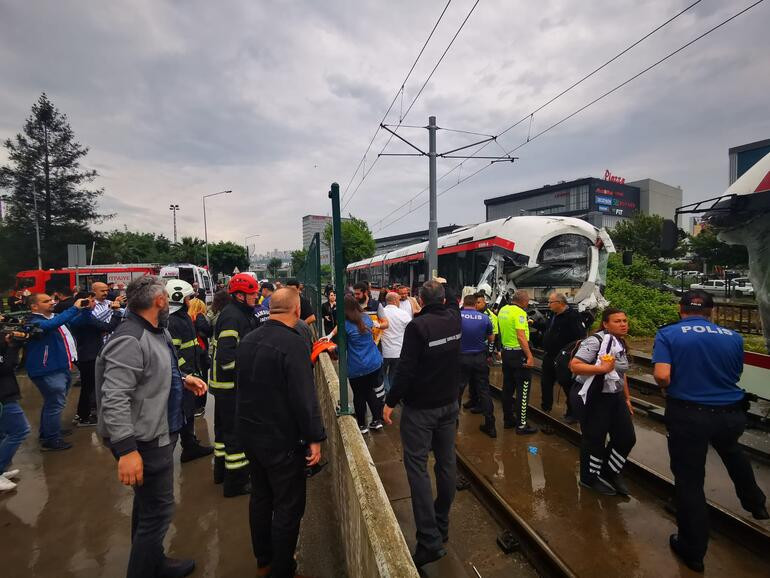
[
  {"x": 472, "y": 533},
  {"x": 70, "y": 517},
  {"x": 594, "y": 535},
  {"x": 651, "y": 449}
]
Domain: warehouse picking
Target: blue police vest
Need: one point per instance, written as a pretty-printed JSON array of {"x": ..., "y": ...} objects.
[
  {"x": 476, "y": 328},
  {"x": 706, "y": 361}
]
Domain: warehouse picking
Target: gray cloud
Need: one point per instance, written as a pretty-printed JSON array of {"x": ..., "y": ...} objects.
[{"x": 277, "y": 100}]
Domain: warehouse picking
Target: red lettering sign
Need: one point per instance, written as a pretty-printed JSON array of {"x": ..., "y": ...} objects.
[{"x": 608, "y": 176}]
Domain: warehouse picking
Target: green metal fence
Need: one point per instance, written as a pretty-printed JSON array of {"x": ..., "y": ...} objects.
[{"x": 310, "y": 276}]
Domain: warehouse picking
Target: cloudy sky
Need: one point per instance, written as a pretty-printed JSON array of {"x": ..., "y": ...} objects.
[{"x": 276, "y": 100}]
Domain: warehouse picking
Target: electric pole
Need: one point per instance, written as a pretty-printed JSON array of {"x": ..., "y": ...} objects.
[
  {"x": 432, "y": 256},
  {"x": 432, "y": 213},
  {"x": 174, "y": 209}
]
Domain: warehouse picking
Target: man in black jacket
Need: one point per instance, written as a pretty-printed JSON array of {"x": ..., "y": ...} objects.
[
  {"x": 14, "y": 426},
  {"x": 89, "y": 333},
  {"x": 564, "y": 327},
  {"x": 280, "y": 426},
  {"x": 427, "y": 380},
  {"x": 188, "y": 352},
  {"x": 236, "y": 320}
]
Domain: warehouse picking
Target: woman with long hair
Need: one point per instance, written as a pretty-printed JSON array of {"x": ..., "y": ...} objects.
[
  {"x": 197, "y": 311},
  {"x": 601, "y": 395},
  {"x": 329, "y": 312},
  {"x": 364, "y": 362}
]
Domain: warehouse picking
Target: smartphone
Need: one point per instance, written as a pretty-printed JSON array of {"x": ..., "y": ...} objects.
[{"x": 85, "y": 303}]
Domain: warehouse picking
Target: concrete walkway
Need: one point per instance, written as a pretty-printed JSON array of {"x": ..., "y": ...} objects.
[{"x": 70, "y": 517}]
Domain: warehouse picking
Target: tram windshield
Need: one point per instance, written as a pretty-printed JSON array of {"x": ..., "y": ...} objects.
[{"x": 564, "y": 263}]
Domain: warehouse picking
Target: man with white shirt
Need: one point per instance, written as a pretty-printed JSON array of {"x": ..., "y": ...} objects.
[
  {"x": 103, "y": 307},
  {"x": 49, "y": 362},
  {"x": 393, "y": 337},
  {"x": 407, "y": 302}
]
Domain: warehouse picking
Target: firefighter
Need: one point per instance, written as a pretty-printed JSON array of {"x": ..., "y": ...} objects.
[
  {"x": 188, "y": 350},
  {"x": 235, "y": 321}
]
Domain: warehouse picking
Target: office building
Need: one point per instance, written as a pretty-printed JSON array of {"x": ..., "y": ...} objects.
[
  {"x": 743, "y": 157},
  {"x": 602, "y": 202}
]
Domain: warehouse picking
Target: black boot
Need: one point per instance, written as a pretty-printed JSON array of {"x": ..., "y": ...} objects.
[
  {"x": 194, "y": 451},
  {"x": 219, "y": 470},
  {"x": 488, "y": 427},
  {"x": 236, "y": 483},
  {"x": 599, "y": 486}
]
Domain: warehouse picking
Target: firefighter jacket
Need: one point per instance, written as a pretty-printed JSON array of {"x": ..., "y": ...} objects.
[
  {"x": 185, "y": 340},
  {"x": 233, "y": 324}
]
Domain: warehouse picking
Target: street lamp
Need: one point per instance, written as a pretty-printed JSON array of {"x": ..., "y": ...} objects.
[
  {"x": 246, "y": 242},
  {"x": 205, "y": 229},
  {"x": 174, "y": 208}
]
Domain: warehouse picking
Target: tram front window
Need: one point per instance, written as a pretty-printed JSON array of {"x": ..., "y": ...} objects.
[{"x": 562, "y": 264}]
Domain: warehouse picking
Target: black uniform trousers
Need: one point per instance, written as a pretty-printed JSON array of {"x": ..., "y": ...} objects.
[
  {"x": 365, "y": 389},
  {"x": 277, "y": 504},
  {"x": 690, "y": 430},
  {"x": 228, "y": 451},
  {"x": 516, "y": 380},
  {"x": 474, "y": 372},
  {"x": 152, "y": 511},
  {"x": 547, "y": 379},
  {"x": 187, "y": 433},
  {"x": 423, "y": 431},
  {"x": 87, "y": 387},
  {"x": 606, "y": 413}
]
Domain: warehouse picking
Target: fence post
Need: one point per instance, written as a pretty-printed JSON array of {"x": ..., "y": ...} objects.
[{"x": 339, "y": 288}]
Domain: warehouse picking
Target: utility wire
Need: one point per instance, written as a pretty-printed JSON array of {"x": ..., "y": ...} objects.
[
  {"x": 582, "y": 108},
  {"x": 400, "y": 92},
  {"x": 530, "y": 116},
  {"x": 414, "y": 100}
]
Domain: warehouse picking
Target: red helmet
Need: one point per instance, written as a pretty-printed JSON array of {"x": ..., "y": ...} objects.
[{"x": 243, "y": 283}]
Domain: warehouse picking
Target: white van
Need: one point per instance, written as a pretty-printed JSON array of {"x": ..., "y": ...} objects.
[{"x": 192, "y": 274}]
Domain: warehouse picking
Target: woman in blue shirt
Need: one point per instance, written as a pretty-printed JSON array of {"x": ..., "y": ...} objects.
[{"x": 364, "y": 362}]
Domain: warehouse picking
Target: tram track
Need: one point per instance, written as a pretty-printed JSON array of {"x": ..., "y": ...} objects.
[{"x": 751, "y": 535}]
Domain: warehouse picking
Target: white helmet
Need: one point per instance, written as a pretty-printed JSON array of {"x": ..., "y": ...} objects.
[{"x": 177, "y": 290}]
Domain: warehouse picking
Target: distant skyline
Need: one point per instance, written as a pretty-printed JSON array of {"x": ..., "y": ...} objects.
[{"x": 277, "y": 101}]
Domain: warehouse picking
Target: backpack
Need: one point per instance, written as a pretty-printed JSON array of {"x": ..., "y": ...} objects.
[{"x": 563, "y": 358}]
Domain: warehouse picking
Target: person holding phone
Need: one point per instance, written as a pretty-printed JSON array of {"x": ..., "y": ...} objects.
[
  {"x": 49, "y": 362},
  {"x": 89, "y": 333}
]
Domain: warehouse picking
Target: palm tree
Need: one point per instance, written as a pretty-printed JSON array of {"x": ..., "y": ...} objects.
[
  {"x": 190, "y": 250},
  {"x": 273, "y": 265}
]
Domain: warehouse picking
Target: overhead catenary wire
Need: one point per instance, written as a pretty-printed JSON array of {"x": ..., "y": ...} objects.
[
  {"x": 530, "y": 116},
  {"x": 414, "y": 100},
  {"x": 581, "y": 109},
  {"x": 399, "y": 93}
]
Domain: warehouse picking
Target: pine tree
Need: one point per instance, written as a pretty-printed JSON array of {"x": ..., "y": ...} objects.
[{"x": 44, "y": 179}]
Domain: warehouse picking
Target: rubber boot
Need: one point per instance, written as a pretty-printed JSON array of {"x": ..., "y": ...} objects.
[
  {"x": 236, "y": 482},
  {"x": 219, "y": 470}
]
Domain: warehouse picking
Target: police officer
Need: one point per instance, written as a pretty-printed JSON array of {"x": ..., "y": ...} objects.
[
  {"x": 427, "y": 380},
  {"x": 517, "y": 362},
  {"x": 188, "y": 351},
  {"x": 481, "y": 306},
  {"x": 699, "y": 363},
  {"x": 478, "y": 334},
  {"x": 236, "y": 320}
]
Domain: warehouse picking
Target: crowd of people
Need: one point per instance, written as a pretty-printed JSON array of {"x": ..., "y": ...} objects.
[{"x": 148, "y": 355}]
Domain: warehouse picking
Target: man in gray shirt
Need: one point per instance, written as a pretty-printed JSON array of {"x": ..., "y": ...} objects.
[{"x": 139, "y": 404}]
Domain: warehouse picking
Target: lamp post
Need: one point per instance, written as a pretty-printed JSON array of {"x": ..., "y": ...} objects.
[
  {"x": 246, "y": 242},
  {"x": 174, "y": 209},
  {"x": 205, "y": 228}
]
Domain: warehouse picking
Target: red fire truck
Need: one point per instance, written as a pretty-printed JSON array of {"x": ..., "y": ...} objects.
[{"x": 50, "y": 280}]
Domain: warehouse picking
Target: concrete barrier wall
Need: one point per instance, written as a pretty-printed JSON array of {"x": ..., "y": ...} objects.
[{"x": 371, "y": 537}]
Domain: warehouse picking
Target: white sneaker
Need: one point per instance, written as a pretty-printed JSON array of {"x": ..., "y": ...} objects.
[
  {"x": 6, "y": 484},
  {"x": 11, "y": 474}
]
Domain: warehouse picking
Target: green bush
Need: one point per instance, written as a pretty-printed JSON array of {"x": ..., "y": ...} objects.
[{"x": 647, "y": 308}]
